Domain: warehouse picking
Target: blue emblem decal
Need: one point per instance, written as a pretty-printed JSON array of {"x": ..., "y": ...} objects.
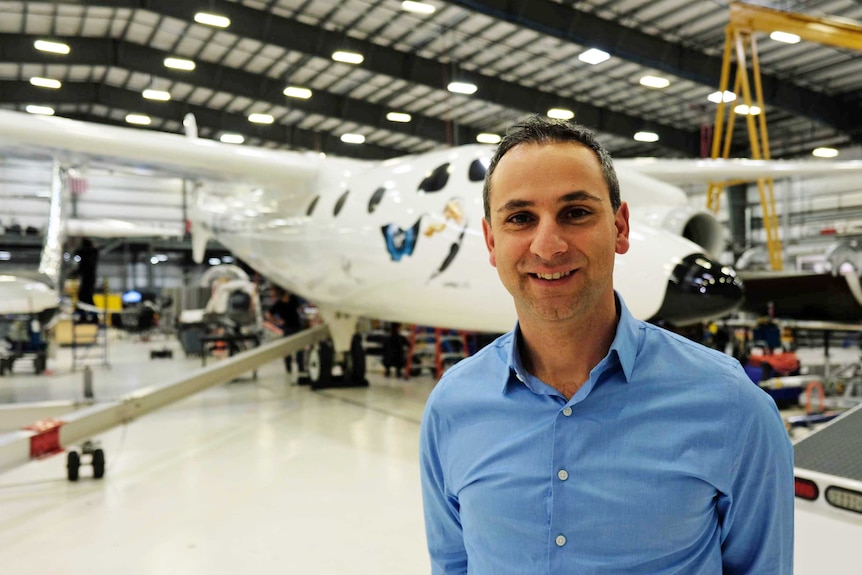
[{"x": 400, "y": 242}]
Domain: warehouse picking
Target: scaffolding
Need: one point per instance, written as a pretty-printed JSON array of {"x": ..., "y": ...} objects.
[{"x": 740, "y": 45}]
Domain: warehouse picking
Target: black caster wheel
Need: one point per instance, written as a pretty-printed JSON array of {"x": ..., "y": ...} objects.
[
  {"x": 73, "y": 465},
  {"x": 98, "y": 464}
]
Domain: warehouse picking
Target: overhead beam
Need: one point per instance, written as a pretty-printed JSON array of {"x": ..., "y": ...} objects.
[
  {"x": 15, "y": 92},
  {"x": 574, "y": 25},
  {"x": 17, "y": 48},
  {"x": 827, "y": 31},
  {"x": 295, "y": 36}
]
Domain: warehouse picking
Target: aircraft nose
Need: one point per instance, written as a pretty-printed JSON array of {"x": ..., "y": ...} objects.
[{"x": 700, "y": 289}]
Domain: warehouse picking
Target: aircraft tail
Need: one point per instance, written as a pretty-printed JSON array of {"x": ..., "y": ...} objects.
[
  {"x": 51, "y": 260},
  {"x": 190, "y": 125},
  {"x": 201, "y": 233}
]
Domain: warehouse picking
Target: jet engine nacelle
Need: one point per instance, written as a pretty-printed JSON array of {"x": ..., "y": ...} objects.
[{"x": 665, "y": 206}]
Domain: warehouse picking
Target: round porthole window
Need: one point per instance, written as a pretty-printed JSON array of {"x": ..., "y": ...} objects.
[
  {"x": 477, "y": 171},
  {"x": 436, "y": 180}
]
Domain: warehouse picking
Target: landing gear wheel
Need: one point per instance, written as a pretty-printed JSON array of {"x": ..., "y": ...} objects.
[
  {"x": 320, "y": 365},
  {"x": 357, "y": 361},
  {"x": 73, "y": 465},
  {"x": 98, "y": 464}
]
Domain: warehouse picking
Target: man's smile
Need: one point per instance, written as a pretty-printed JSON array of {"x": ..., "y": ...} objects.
[{"x": 553, "y": 276}]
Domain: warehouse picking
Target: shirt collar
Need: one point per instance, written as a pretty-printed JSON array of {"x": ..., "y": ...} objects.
[{"x": 624, "y": 347}]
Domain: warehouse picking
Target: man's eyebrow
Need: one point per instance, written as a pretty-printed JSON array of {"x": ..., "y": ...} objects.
[
  {"x": 579, "y": 196},
  {"x": 576, "y": 196},
  {"x": 513, "y": 205}
]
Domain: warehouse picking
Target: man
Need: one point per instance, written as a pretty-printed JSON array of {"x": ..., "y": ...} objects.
[
  {"x": 284, "y": 314},
  {"x": 586, "y": 441}
]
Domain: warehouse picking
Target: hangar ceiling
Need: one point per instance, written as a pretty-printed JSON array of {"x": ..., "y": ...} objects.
[{"x": 522, "y": 56}]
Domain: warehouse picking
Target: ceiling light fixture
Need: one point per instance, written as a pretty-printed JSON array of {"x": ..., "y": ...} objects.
[
  {"x": 785, "y": 37},
  {"x": 716, "y": 97},
  {"x": 297, "y": 92},
  {"x": 138, "y": 119},
  {"x": 231, "y": 138},
  {"x": 398, "y": 117},
  {"x": 561, "y": 114},
  {"x": 593, "y": 56},
  {"x": 40, "y": 110},
  {"x": 825, "y": 152},
  {"x": 654, "y": 82},
  {"x": 46, "y": 82},
  {"x": 347, "y": 57},
  {"x": 646, "y": 137},
  {"x": 462, "y": 88},
  {"x": 352, "y": 138},
  {"x": 744, "y": 110},
  {"x": 53, "y": 47},
  {"x": 261, "y": 118},
  {"x": 212, "y": 20},
  {"x": 486, "y": 138},
  {"x": 159, "y": 95},
  {"x": 180, "y": 64},
  {"x": 417, "y": 7}
]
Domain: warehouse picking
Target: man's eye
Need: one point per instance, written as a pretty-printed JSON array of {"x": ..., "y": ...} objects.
[
  {"x": 577, "y": 213},
  {"x": 518, "y": 219}
]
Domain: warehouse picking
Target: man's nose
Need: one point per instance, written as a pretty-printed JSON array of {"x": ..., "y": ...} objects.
[{"x": 548, "y": 240}]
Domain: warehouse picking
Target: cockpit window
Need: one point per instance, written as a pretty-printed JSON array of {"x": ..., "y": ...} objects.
[
  {"x": 436, "y": 180},
  {"x": 340, "y": 203},
  {"x": 312, "y": 205},
  {"x": 376, "y": 197},
  {"x": 477, "y": 171}
]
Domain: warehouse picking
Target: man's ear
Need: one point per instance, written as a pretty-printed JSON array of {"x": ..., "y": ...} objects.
[
  {"x": 621, "y": 222},
  {"x": 489, "y": 241}
]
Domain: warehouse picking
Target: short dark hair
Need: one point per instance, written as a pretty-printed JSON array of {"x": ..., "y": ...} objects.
[{"x": 540, "y": 130}]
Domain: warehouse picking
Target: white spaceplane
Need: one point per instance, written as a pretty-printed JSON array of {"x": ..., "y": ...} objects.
[{"x": 401, "y": 239}]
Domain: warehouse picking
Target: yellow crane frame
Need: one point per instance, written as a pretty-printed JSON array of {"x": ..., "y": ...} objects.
[{"x": 745, "y": 20}]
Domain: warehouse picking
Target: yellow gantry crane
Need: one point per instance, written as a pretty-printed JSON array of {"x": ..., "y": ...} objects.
[{"x": 739, "y": 45}]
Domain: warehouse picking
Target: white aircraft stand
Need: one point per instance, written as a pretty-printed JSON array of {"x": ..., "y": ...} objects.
[{"x": 54, "y": 435}]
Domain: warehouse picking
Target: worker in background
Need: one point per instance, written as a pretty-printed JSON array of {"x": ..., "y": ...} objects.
[
  {"x": 394, "y": 350},
  {"x": 87, "y": 257},
  {"x": 284, "y": 313}
]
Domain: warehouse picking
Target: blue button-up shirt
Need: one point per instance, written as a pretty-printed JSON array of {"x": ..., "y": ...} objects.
[{"x": 667, "y": 460}]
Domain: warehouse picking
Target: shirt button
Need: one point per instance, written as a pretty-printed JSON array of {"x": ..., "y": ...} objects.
[
  {"x": 567, "y": 411},
  {"x": 560, "y": 540},
  {"x": 563, "y": 474}
]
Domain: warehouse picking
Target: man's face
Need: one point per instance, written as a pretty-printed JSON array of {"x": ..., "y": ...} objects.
[{"x": 553, "y": 234}]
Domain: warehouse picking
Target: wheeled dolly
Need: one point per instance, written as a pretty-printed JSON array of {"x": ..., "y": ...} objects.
[{"x": 97, "y": 460}]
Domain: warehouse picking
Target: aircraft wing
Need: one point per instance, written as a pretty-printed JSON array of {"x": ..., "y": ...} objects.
[
  {"x": 111, "y": 228},
  {"x": 75, "y": 142},
  {"x": 708, "y": 170},
  {"x": 22, "y": 294},
  {"x": 803, "y": 295}
]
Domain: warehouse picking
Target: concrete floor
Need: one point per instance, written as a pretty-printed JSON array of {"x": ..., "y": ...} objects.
[{"x": 256, "y": 476}]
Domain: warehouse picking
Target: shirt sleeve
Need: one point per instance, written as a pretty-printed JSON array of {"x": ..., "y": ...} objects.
[
  {"x": 442, "y": 516},
  {"x": 757, "y": 514}
]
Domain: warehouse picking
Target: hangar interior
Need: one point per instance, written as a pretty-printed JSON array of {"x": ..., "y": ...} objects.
[
  {"x": 654, "y": 72},
  {"x": 377, "y": 80}
]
